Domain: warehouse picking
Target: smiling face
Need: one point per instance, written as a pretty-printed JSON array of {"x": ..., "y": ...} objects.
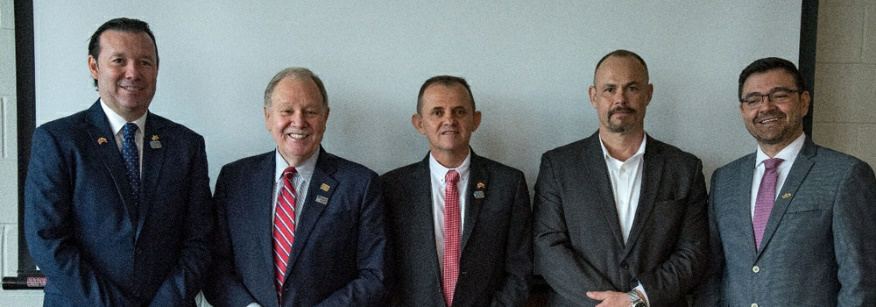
[
  {"x": 620, "y": 94},
  {"x": 774, "y": 123},
  {"x": 126, "y": 71},
  {"x": 296, "y": 118},
  {"x": 447, "y": 119}
]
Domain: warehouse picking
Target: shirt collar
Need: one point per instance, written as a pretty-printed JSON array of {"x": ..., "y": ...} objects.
[
  {"x": 789, "y": 153},
  {"x": 305, "y": 170},
  {"x": 638, "y": 153},
  {"x": 117, "y": 122},
  {"x": 439, "y": 171}
]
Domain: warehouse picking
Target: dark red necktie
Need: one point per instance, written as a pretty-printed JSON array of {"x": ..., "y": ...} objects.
[
  {"x": 451, "y": 235},
  {"x": 284, "y": 228}
]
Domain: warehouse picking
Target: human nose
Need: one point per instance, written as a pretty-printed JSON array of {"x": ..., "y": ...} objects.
[{"x": 133, "y": 70}]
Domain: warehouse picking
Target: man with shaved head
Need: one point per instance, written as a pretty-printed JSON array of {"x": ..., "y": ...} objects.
[{"x": 620, "y": 217}]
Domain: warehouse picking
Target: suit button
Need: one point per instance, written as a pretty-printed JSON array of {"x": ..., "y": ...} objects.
[
  {"x": 624, "y": 265},
  {"x": 755, "y": 269},
  {"x": 463, "y": 273}
]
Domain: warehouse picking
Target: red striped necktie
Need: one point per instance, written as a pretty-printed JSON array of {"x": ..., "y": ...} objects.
[
  {"x": 451, "y": 235},
  {"x": 284, "y": 228}
]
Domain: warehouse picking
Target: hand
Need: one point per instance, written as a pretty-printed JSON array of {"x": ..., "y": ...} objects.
[{"x": 610, "y": 298}]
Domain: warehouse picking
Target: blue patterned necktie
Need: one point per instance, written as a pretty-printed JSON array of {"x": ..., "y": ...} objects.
[{"x": 132, "y": 161}]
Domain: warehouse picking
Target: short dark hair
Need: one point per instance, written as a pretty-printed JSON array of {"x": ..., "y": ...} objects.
[
  {"x": 297, "y": 73},
  {"x": 621, "y": 53},
  {"x": 767, "y": 64},
  {"x": 120, "y": 24},
  {"x": 446, "y": 81}
]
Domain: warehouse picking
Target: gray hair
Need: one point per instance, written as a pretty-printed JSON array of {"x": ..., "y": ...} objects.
[{"x": 298, "y": 73}]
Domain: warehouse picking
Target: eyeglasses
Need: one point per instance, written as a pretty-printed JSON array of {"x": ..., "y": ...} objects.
[{"x": 776, "y": 96}]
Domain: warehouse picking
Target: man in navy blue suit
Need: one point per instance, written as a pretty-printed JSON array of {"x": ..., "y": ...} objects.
[
  {"x": 117, "y": 199},
  {"x": 298, "y": 226}
]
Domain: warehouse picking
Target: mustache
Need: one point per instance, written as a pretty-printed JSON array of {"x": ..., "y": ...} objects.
[
  {"x": 771, "y": 114},
  {"x": 621, "y": 109}
]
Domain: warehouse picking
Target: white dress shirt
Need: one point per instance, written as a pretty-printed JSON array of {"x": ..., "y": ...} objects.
[
  {"x": 438, "y": 172},
  {"x": 117, "y": 123},
  {"x": 626, "y": 183},
  {"x": 788, "y": 154}
]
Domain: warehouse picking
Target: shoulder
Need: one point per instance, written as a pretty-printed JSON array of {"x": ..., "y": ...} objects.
[
  {"x": 170, "y": 127},
  {"x": 495, "y": 168},
  {"x": 834, "y": 159},
  {"x": 345, "y": 168},
  {"x": 671, "y": 153},
  {"x": 247, "y": 163},
  {"x": 64, "y": 125},
  {"x": 568, "y": 150},
  {"x": 403, "y": 173}
]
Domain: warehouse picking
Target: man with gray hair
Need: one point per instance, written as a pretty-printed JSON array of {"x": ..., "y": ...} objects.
[{"x": 298, "y": 226}]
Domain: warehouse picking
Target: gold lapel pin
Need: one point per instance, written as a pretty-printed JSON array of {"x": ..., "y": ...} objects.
[
  {"x": 324, "y": 187},
  {"x": 480, "y": 185},
  {"x": 101, "y": 140},
  {"x": 786, "y": 195}
]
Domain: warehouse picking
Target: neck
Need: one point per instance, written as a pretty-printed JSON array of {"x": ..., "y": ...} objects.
[
  {"x": 771, "y": 150},
  {"x": 622, "y": 145},
  {"x": 450, "y": 159}
]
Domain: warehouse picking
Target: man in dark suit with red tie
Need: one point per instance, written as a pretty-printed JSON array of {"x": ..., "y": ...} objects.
[
  {"x": 298, "y": 226},
  {"x": 459, "y": 222},
  {"x": 117, "y": 198}
]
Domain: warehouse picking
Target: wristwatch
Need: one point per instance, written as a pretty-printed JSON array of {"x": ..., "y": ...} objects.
[{"x": 635, "y": 300}]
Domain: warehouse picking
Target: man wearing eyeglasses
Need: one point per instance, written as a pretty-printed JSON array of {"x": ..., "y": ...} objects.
[{"x": 791, "y": 223}]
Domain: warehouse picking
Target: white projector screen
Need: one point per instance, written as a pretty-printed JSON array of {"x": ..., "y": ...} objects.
[{"x": 529, "y": 64}]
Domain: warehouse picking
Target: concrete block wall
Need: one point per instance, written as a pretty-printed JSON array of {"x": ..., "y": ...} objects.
[
  {"x": 845, "y": 78},
  {"x": 844, "y": 111}
]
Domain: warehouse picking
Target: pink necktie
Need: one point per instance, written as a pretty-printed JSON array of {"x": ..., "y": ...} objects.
[
  {"x": 451, "y": 235},
  {"x": 284, "y": 228},
  {"x": 766, "y": 197}
]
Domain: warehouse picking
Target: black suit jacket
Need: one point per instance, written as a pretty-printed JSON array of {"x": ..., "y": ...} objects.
[
  {"x": 496, "y": 260},
  {"x": 578, "y": 241},
  {"x": 79, "y": 216},
  {"x": 338, "y": 257}
]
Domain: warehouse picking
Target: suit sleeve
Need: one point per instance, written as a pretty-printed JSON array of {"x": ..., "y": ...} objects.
[
  {"x": 555, "y": 259},
  {"x": 224, "y": 287},
  {"x": 854, "y": 211},
  {"x": 369, "y": 288},
  {"x": 518, "y": 263},
  {"x": 709, "y": 292},
  {"x": 683, "y": 270},
  {"x": 48, "y": 227},
  {"x": 184, "y": 281}
]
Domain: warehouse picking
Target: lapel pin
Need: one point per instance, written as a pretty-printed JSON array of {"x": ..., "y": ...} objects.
[
  {"x": 324, "y": 187},
  {"x": 480, "y": 185},
  {"x": 786, "y": 195},
  {"x": 479, "y": 194},
  {"x": 101, "y": 140},
  {"x": 322, "y": 199},
  {"x": 155, "y": 143}
]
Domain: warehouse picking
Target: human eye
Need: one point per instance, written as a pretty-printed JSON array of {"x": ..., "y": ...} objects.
[
  {"x": 608, "y": 89},
  {"x": 459, "y": 111},
  {"x": 781, "y": 95},
  {"x": 437, "y": 112}
]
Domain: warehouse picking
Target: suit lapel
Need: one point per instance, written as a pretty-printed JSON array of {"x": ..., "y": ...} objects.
[
  {"x": 652, "y": 174},
  {"x": 740, "y": 203},
  {"x": 599, "y": 181},
  {"x": 802, "y": 164},
  {"x": 422, "y": 216},
  {"x": 478, "y": 181},
  {"x": 155, "y": 144},
  {"x": 106, "y": 148},
  {"x": 319, "y": 194},
  {"x": 259, "y": 212}
]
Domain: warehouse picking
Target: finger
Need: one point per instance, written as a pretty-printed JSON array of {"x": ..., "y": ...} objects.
[{"x": 596, "y": 295}]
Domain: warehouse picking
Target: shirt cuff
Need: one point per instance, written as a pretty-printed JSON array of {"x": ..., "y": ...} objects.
[{"x": 641, "y": 288}]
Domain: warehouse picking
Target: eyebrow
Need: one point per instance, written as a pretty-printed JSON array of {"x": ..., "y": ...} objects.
[{"x": 772, "y": 90}]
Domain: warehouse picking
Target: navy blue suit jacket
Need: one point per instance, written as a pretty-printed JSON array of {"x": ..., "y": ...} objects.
[
  {"x": 80, "y": 225},
  {"x": 338, "y": 257}
]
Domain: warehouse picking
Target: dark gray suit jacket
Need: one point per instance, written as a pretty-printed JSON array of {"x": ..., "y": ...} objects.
[
  {"x": 496, "y": 260},
  {"x": 818, "y": 247},
  {"x": 578, "y": 242}
]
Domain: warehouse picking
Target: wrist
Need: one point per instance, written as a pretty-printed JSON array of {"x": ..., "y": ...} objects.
[{"x": 635, "y": 299}]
